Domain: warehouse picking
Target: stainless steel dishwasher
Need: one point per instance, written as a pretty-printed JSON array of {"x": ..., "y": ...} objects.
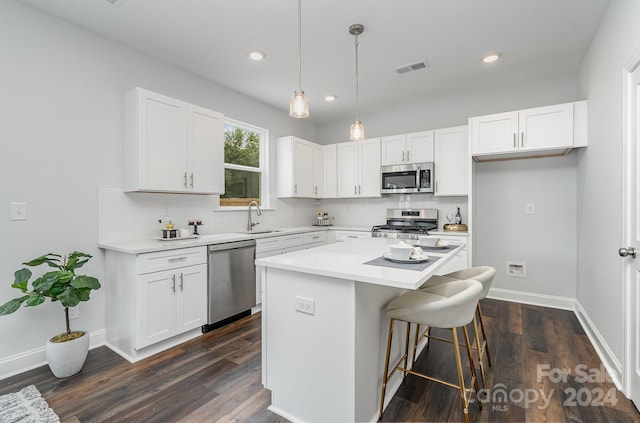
[{"x": 232, "y": 282}]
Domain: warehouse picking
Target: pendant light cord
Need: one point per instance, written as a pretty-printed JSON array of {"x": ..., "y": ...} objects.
[
  {"x": 299, "y": 45},
  {"x": 357, "y": 106}
]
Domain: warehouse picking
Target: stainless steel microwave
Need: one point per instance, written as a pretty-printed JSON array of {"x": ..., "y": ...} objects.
[{"x": 407, "y": 178}]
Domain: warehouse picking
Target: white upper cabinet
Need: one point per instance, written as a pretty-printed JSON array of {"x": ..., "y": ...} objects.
[
  {"x": 171, "y": 146},
  {"x": 451, "y": 163},
  {"x": 359, "y": 168},
  {"x": 329, "y": 171},
  {"x": 416, "y": 147},
  {"x": 299, "y": 168},
  {"x": 550, "y": 130}
]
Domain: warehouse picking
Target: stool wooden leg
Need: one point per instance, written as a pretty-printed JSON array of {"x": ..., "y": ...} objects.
[
  {"x": 479, "y": 349},
  {"x": 484, "y": 333},
  {"x": 385, "y": 374},
  {"x": 463, "y": 395},
  {"x": 406, "y": 346}
]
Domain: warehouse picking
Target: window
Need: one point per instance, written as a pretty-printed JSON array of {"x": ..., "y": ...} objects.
[{"x": 245, "y": 158}]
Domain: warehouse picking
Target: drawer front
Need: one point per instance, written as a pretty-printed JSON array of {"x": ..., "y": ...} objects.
[
  {"x": 268, "y": 244},
  {"x": 347, "y": 235},
  {"x": 315, "y": 237},
  {"x": 172, "y": 259},
  {"x": 289, "y": 241}
]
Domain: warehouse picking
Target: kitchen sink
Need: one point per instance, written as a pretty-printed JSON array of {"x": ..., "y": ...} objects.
[{"x": 262, "y": 231}]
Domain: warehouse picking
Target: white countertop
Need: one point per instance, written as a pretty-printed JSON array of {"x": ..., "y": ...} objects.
[
  {"x": 345, "y": 260},
  {"x": 155, "y": 244}
]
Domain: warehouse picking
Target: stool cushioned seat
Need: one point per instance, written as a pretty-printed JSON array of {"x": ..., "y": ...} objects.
[{"x": 445, "y": 306}]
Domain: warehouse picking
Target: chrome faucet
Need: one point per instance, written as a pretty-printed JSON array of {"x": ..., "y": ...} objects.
[{"x": 250, "y": 224}]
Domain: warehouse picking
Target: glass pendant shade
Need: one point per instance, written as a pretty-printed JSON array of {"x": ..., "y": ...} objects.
[
  {"x": 299, "y": 105},
  {"x": 356, "y": 132}
]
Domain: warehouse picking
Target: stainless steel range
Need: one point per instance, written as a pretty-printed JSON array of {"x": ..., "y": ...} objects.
[{"x": 407, "y": 223}]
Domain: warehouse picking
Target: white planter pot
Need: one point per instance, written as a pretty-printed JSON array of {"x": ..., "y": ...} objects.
[{"x": 67, "y": 358}]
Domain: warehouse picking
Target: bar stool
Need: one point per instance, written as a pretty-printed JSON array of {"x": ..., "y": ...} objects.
[
  {"x": 484, "y": 275},
  {"x": 448, "y": 306}
]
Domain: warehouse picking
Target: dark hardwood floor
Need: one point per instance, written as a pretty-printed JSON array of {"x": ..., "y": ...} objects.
[{"x": 217, "y": 378}]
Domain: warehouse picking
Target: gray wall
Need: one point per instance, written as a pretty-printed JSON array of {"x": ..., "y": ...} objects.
[
  {"x": 60, "y": 138},
  {"x": 600, "y": 213}
]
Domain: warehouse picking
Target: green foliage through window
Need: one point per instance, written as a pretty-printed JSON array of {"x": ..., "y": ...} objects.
[
  {"x": 242, "y": 166},
  {"x": 241, "y": 147}
]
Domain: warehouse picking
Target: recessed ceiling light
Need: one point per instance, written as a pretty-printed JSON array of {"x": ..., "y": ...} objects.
[
  {"x": 330, "y": 98},
  {"x": 490, "y": 58},
  {"x": 256, "y": 55}
]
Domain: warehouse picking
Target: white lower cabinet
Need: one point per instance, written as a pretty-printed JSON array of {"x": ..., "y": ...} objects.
[
  {"x": 154, "y": 300},
  {"x": 272, "y": 246},
  {"x": 171, "y": 302}
]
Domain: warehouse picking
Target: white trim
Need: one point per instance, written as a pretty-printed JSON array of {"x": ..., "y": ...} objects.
[
  {"x": 607, "y": 356},
  {"x": 552, "y": 301},
  {"x": 627, "y": 175},
  {"x": 28, "y": 360}
]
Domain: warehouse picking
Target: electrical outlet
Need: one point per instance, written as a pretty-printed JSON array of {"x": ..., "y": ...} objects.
[
  {"x": 18, "y": 211},
  {"x": 74, "y": 312},
  {"x": 305, "y": 305}
]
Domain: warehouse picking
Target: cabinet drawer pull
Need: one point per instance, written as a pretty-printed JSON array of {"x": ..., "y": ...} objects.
[
  {"x": 315, "y": 237},
  {"x": 175, "y": 259},
  {"x": 181, "y": 282},
  {"x": 173, "y": 285},
  {"x": 352, "y": 236}
]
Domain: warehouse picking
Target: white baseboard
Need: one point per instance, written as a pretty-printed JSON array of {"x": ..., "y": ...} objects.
[
  {"x": 552, "y": 301},
  {"x": 611, "y": 363},
  {"x": 27, "y": 360}
]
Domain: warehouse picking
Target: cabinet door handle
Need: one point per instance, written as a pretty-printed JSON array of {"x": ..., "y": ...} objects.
[
  {"x": 181, "y": 282},
  {"x": 175, "y": 259},
  {"x": 295, "y": 188},
  {"x": 436, "y": 187},
  {"x": 191, "y": 179},
  {"x": 408, "y": 157},
  {"x": 403, "y": 155},
  {"x": 173, "y": 285},
  {"x": 315, "y": 189},
  {"x": 355, "y": 190},
  {"x": 514, "y": 140},
  {"x": 185, "y": 179},
  {"x": 359, "y": 189},
  {"x": 521, "y": 139},
  {"x": 315, "y": 237}
]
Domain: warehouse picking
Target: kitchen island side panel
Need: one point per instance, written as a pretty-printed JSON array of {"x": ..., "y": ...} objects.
[{"x": 309, "y": 358}]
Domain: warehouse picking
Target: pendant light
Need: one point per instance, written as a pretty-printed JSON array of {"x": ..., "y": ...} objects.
[
  {"x": 299, "y": 104},
  {"x": 356, "y": 132}
]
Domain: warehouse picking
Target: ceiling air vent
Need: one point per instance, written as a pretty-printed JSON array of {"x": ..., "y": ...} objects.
[{"x": 412, "y": 67}]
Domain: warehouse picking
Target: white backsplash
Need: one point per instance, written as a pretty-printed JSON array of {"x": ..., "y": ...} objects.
[
  {"x": 372, "y": 211},
  {"x": 135, "y": 215}
]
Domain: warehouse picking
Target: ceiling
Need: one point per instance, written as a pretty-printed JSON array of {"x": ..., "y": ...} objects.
[{"x": 538, "y": 39}]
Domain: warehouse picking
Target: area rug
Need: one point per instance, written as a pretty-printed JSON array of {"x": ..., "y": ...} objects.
[{"x": 26, "y": 406}]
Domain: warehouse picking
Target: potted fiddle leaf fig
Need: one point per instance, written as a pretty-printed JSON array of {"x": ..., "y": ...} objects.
[{"x": 66, "y": 352}]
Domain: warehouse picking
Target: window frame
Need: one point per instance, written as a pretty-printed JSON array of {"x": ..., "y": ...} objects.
[{"x": 263, "y": 168}]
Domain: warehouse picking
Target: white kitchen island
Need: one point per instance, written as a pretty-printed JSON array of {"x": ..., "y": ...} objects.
[{"x": 324, "y": 363}]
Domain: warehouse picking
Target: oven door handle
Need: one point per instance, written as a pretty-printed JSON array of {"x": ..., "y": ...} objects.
[{"x": 418, "y": 179}]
